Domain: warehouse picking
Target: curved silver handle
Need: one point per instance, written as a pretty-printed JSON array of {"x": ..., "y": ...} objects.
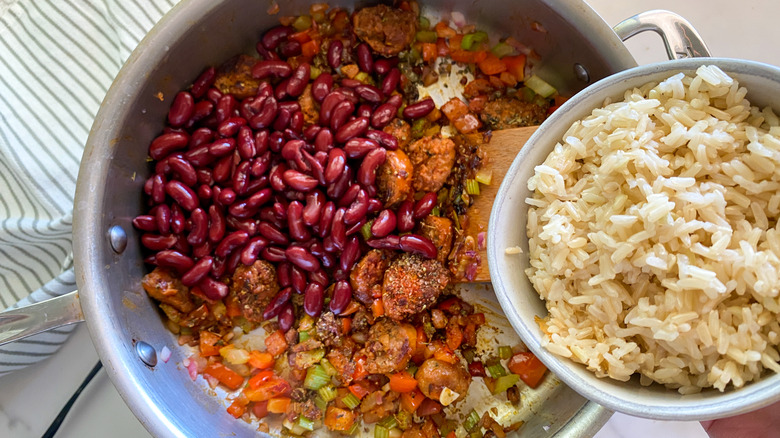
[
  {"x": 680, "y": 38},
  {"x": 29, "y": 320}
]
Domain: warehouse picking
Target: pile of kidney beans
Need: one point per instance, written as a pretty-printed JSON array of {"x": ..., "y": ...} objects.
[{"x": 235, "y": 181}]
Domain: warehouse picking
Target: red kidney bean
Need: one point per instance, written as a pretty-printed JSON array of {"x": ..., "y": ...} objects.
[
  {"x": 199, "y": 156},
  {"x": 260, "y": 165},
  {"x": 204, "y": 192},
  {"x": 359, "y": 147},
  {"x": 329, "y": 246},
  {"x": 310, "y": 133},
  {"x": 230, "y": 126},
  {"x": 316, "y": 165},
  {"x": 222, "y": 147},
  {"x": 232, "y": 241},
  {"x": 390, "y": 242},
  {"x": 340, "y": 114},
  {"x": 383, "y": 224},
  {"x": 199, "y": 229},
  {"x": 321, "y": 87},
  {"x": 357, "y": 226},
  {"x": 357, "y": 210},
  {"x": 166, "y": 143},
  {"x": 364, "y": 58},
  {"x": 290, "y": 48},
  {"x": 319, "y": 277},
  {"x": 182, "y": 194},
  {"x": 366, "y": 174},
  {"x": 201, "y": 110},
  {"x": 313, "y": 209},
  {"x": 323, "y": 142},
  {"x": 280, "y": 92},
  {"x": 245, "y": 142},
  {"x": 197, "y": 272},
  {"x": 241, "y": 178},
  {"x": 298, "y": 279},
  {"x": 369, "y": 93},
  {"x": 383, "y": 115},
  {"x": 286, "y": 317},
  {"x": 405, "y": 217},
  {"x": 184, "y": 170},
  {"x": 275, "y": 177},
  {"x": 351, "y": 129},
  {"x": 272, "y": 233},
  {"x": 271, "y": 68},
  {"x": 349, "y": 196},
  {"x": 203, "y": 82},
  {"x": 416, "y": 244},
  {"x": 242, "y": 210},
  {"x": 265, "y": 53},
  {"x": 257, "y": 184},
  {"x": 181, "y": 109},
  {"x": 282, "y": 119},
  {"x": 291, "y": 151},
  {"x": 302, "y": 258},
  {"x": 149, "y": 185},
  {"x": 162, "y": 214},
  {"x": 216, "y": 226},
  {"x": 334, "y": 54},
  {"x": 161, "y": 167},
  {"x": 213, "y": 95},
  {"x": 178, "y": 221},
  {"x": 338, "y": 229},
  {"x": 424, "y": 206},
  {"x": 391, "y": 81},
  {"x": 247, "y": 108},
  {"x": 259, "y": 198},
  {"x": 299, "y": 79},
  {"x": 348, "y": 93},
  {"x": 280, "y": 207},
  {"x": 337, "y": 161},
  {"x": 182, "y": 246},
  {"x": 350, "y": 254},
  {"x": 313, "y": 299},
  {"x": 283, "y": 273},
  {"x": 299, "y": 181},
  {"x": 340, "y": 186},
  {"x": 342, "y": 295},
  {"x": 267, "y": 114},
  {"x": 174, "y": 260},
  {"x": 276, "y": 141},
  {"x": 297, "y": 121},
  {"x": 226, "y": 105},
  {"x": 202, "y": 250},
  {"x": 382, "y": 66},
  {"x": 252, "y": 249},
  {"x": 290, "y": 105},
  {"x": 326, "y": 218},
  {"x": 275, "y": 35},
  {"x": 396, "y": 100},
  {"x": 374, "y": 205},
  {"x": 386, "y": 140},
  {"x": 273, "y": 254},
  {"x": 226, "y": 197},
  {"x": 295, "y": 225},
  {"x": 158, "y": 189},
  {"x": 364, "y": 110},
  {"x": 261, "y": 141},
  {"x": 157, "y": 242},
  {"x": 213, "y": 289},
  {"x": 349, "y": 83},
  {"x": 277, "y": 303},
  {"x": 247, "y": 224},
  {"x": 419, "y": 109},
  {"x": 145, "y": 222},
  {"x": 328, "y": 105}
]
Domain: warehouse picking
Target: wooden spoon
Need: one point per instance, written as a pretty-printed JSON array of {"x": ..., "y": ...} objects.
[{"x": 501, "y": 151}]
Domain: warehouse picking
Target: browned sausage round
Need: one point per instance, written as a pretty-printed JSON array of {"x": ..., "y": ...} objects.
[
  {"x": 411, "y": 284},
  {"x": 401, "y": 130},
  {"x": 394, "y": 178},
  {"x": 388, "y": 348},
  {"x": 254, "y": 287},
  {"x": 434, "y": 375},
  {"x": 433, "y": 159},
  {"x": 387, "y": 30},
  {"x": 439, "y": 231},
  {"x": 366, "y": 277},
  {"x": 235, "y": 77}
]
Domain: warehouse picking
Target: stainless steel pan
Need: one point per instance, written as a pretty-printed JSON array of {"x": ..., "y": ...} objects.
[{"x": 576, "y": 48}]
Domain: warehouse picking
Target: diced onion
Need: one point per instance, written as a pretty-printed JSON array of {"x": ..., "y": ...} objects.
[{"x": 165, "y": 354}]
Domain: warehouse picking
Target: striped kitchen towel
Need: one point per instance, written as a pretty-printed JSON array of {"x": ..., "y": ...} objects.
[{"x": 57, "y": 60}]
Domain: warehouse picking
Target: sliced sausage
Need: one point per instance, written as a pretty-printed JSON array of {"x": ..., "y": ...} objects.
[
  {"x": 366, "y": 277},
  {"x": 235, "y": 77},
  {"x": 439, "y": 231},
  {"x": 388, "y": 348},
  {"x": 435, "y": 375},
  {"x": 394, "y": 178},
  {"x": 509, "y": 112},
  {"x": 411, "y": 284},
  {"x": 433, "y": 159},
  {"x": 387, "y": 30},
  {"x": 401, "y": 130},
  {"x": 254, "y": 287},
  {"x": 162, "y": 285}
]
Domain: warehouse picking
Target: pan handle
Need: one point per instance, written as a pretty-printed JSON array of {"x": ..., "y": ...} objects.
[
  {"x": 680, "y": 38},
  {"x": 29, "y": 320}
]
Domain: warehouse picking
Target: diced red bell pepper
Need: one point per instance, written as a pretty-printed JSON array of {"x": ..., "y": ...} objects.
[{"x": 528, "y": 367}]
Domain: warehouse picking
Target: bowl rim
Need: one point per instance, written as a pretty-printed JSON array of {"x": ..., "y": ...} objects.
[{"x": 671, "y": 405}]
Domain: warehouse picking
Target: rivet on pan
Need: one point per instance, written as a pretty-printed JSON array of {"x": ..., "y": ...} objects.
[
  {"x": 146, "y": 352},
  {"x": 581, "y": 73},
  {"x": 118, "y": 239}
]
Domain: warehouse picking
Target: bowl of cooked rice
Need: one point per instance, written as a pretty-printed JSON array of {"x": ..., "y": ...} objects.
[{"x": 635, "y": 244}]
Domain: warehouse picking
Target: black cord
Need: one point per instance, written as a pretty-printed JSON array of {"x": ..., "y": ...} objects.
[{"x": 55, "y": 425}]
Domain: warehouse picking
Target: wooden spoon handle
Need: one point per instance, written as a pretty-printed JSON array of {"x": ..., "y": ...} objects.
[{"x": 501, "y": 151}]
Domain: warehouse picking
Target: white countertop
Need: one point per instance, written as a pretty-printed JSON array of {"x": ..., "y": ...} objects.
[{"x": 31, "y": 398}]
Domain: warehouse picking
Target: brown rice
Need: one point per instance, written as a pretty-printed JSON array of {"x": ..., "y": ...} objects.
[{"x": 654, "y": 236}]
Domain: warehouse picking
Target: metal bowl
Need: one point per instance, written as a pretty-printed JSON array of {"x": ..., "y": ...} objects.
[{"x": 519, "y": 299}]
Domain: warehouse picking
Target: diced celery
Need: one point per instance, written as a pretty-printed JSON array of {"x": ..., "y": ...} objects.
[
  {"x": 539, "y": 86},
  {"x": 502, "y": 49},
  {"x": 365, "y": 230},
  {"x": 471, "y": 41},
  {"x": 320, "y": 403},
  {"x": 504, "y": 352},
  {"x": 404, "y": 419},
  {"x": 496, "y": 370},
  {"x": 327, "y": 393},
  {"x": 306, "y": 423},
  {"x": 381, "y": 432},
  {"x": 436, "y": 211},
  {"x": 316, "y": 378},
  {"x": 303, "y": 335},
  {"x": 350, "y": 401},
  {"x": 423, "y": 23},
  {"x": 328, "y": 367},
  {"x": 484, "y": 176},
  {"x": 472, "y": 187},
  {"x": 471, "y": 421},
  {"x": 468, "y": 354},
  {"x": 505, "y": 382},
  {"x": 388, "y": 422},
  {"x": 302, "y": 23},
  {"x": 426, "y": 36},
  {"x": 354, "y": 429}
]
